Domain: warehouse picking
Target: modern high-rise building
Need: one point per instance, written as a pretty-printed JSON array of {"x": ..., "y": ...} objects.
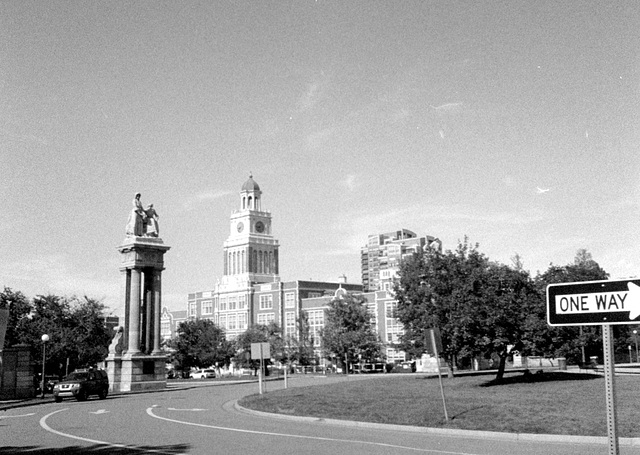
[{"x": 383, "y": 253}]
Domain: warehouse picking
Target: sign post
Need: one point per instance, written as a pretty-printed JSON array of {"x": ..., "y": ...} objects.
[
  {"x": 609, "y": 384},
  {"x": 435, "y": 345},
  {"x": 260, "y": 351},
  {"x": 597, "y": 303}
]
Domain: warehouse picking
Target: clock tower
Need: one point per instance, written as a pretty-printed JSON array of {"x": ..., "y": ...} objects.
[{"x": 251, "y": 251}]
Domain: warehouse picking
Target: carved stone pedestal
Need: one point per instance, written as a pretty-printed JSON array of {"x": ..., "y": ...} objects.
[
  {"x": 136, "y": 373},
  {"x": 135, "y": 360}
]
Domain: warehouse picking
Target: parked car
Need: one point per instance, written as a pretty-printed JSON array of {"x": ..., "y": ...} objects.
[
  {"x": 203, "y": 374},
  {"x": 81, "y": 384}
]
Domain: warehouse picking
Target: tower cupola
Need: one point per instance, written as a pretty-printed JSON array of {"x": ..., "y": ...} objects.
[{"x": 250, "y": 195}]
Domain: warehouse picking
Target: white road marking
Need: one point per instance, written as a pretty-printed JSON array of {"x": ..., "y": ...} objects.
[
  {"x": 296, "y": 436},
  {"x": 14, "y": 417},
  {"x": 43, "y": 424},
  {"x": 99, "y": 411},
  {"x": 176, "y": 409}
]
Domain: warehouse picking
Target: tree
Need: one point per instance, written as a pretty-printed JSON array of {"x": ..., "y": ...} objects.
[
  {"x": 90, "y": 336},
  {"x": 348, "y": 333},
  {"x": 259, "y": 333},
  {"x": 200, "y": 343},
  {"x": 77, "y": 333},
  {"x": 300, "y": 348},
  {"x": 19, "y": 307},
  {"x": 506, "y": 298},
  {"x": 478, "y": 305}
]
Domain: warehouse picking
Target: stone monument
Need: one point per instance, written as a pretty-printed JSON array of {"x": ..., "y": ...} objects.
[{"x": 135, "y": 361}]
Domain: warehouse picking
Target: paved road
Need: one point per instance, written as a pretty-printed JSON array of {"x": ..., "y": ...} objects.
[{"x": 204, "y": 420}]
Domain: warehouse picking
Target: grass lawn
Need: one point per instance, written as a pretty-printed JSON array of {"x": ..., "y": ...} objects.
[{"x": 549, "y": 403}]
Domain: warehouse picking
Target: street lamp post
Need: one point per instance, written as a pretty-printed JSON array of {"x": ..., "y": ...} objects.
[
  {"x": 630, "y": 359},
  {"x": 44, "y": 338},
  {"x": 635, "y": 337}
]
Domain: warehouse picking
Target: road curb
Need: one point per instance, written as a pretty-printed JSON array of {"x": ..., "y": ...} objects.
[{"x": 523, "y": 437}]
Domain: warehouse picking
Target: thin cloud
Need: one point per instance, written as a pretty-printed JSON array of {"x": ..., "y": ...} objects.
[
  {"x": 205, "y": 196},
  {"x": 457, "y": 220},
  {"x": 351, "y": 182},
  {"x": 309, "y": 98},
  {"x": 317, "y": 139},
  {"x": 447, "y": 107}
]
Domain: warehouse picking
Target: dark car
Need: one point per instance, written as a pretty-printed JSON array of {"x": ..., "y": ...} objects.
[{"x": 81, "y": 384}]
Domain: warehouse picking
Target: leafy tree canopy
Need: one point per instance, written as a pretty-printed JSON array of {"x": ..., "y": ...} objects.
[
  {"x": 19, "y": 307},
  {"x": 259, "y": 333},
  {"x": 348, "y": 331},
  {"x": 478, "y": 305},
  {"x": 299, "y": 348},
  {"x": 200, "y": 343},
  {"x": 77, "y": 333}
]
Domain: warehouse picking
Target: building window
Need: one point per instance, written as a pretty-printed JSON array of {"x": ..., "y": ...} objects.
[
  {"x": 313, "y": 295},
  {"x": 231, "y": 322},
  {"x": 290, "y": 300},
  {"x": 232, "y": 303},
  {"x": 395, "y": 356},
  {"x": 242, "y": 321},
  {"x": 266, "y": 318},
  {"x": 223, "y": 321},
  {"x": 266, "y": 302},
  {"x": 393, "y": 327},
  {"x": 242, "y": 302},
  {"x": 207, "y": 307},
  {"x": 373, "y": 315},
  {"x": 165, "y": 328},
  {"x": 192, "y": 309},
  {"x": 223, "y": 304},
  {"x": 316, "y": 323},
  {"x": 290, "y": 324},
  {"x": 215, "y": 303}
]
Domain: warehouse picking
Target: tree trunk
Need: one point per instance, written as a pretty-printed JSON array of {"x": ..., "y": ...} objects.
[
  {"x": 501, "y": 366},
  {"x": 450, "y": 363}
]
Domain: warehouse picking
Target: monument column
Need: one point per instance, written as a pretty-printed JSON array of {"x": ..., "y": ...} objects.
[
  {"x": 134, "y": 313},
  {"x": 157, "y": 307},
  {"x": 135, "y": 360},
  {"x": 149, "y": 305}
]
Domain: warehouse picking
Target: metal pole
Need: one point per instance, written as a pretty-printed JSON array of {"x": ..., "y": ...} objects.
[
  {"x": 260, "y": 374},
  {"x": 609, "y": 379},
  {"x": 346, "y": 363},
  {"x": 635, "y": 336},
  {"x": 435, "y": 351},
  {"x": 286, "y": 367},
  {"x": 44, "y": 360}
]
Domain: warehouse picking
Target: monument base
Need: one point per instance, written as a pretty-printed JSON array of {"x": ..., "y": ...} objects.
[{"x": 136, "y": 373}]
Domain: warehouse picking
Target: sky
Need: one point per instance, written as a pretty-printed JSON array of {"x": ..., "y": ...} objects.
[{"x": 513, "y": 123}]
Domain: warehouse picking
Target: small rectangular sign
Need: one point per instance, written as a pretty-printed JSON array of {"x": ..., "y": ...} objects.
[
  {"x": 593, "y": 303},
  {"x": 260, "y": 350}
]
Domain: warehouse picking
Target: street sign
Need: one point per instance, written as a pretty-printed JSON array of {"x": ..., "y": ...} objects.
[
  {"x": 260, "y": 351},
  {"x": 594, "y": 303}
]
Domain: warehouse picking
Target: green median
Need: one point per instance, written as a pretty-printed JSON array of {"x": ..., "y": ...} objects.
[{"x": 543, "y": 403}]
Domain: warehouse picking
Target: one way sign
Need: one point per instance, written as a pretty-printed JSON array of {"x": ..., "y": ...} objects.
[{"x": 594, "y": 303}]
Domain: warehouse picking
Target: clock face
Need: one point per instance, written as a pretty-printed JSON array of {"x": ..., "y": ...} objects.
[
  {"x": 240, "y": 226},
  {"x": 260, "y": 226}
]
